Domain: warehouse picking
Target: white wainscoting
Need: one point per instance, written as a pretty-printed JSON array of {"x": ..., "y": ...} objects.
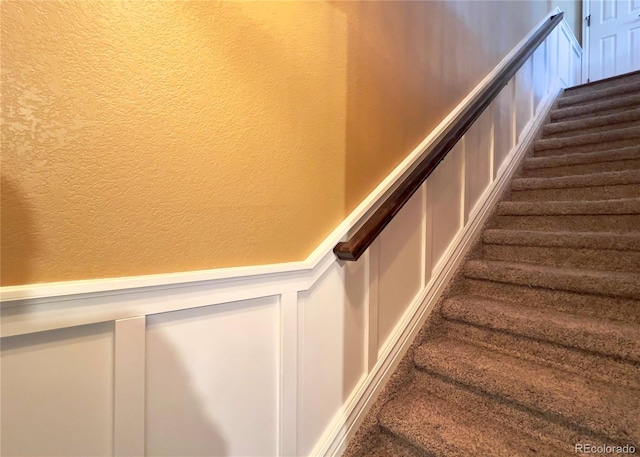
[{"x": 264, "y": 361}]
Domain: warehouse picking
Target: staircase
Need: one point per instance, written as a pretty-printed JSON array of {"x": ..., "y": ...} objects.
[{"x": 535, "y": 346}]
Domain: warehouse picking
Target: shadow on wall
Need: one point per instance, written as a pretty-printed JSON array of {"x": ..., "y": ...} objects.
[
  {"x": 409, "y": 64},
  {"x": 176, "y": 423},
  {"x": 211, "y": 380},
  {"x": 20, "y": 244}
]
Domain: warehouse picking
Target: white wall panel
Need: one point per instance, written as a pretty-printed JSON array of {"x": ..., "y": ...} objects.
[
  {"x": 444, "y": 196},
  {"x": 565, "y": 67},
  {"x": 355, "y": 293},
  {"x": 552, "y": 57},
  {"x": 539, "y": 62},
  {"x": 212, "y": 380},
  {"x": 129, "y": 387},
  {"x": 400, "y": 266},
  {"x": 503, "y": 131},
  {"x": 332, "y": 350},
  {"x": 57, "y": 393},
  {"x": 478, "y": 156},
  {"x": 524, "y": 96},
  {"x": 576, "y": 62}
]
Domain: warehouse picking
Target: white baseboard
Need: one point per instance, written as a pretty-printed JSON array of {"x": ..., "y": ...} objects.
[{"x": 364, "y": 395}]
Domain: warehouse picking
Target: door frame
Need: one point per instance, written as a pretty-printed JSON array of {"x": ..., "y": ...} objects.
[{"x": 586, "y": 54}]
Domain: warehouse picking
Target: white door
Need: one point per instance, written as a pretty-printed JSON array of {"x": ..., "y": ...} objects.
[{"x": 614, "y": 37}]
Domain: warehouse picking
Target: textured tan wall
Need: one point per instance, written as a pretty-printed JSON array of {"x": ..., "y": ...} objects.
[
  {"x": 147, "y": 137},
  {"x": 572, "y": 14},
  {"x": 409, "y": 66}
]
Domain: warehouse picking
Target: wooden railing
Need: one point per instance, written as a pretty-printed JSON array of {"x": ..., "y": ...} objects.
[{"x": 362, "y": 239}]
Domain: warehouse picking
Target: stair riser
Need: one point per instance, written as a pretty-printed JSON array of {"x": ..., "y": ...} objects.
[
  {"x": 580, "y": 223},
  {"x": 566, "y": 257},
  {"x": 554, "y": 353},
  {"x": 614, "y": 308},
  {"x": 390, "y": 444},
  {"x": 594, "y": 147},
  {"x": 599, "y": 85},
  {"x": 578, "y": 193},
  {"x": 617, "y": 105},
  {"x": 582, "y": 169},
  {"x": 596, "y": 129}
]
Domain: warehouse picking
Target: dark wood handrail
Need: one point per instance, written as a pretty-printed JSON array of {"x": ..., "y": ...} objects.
[{"x": 362, "y": 239}]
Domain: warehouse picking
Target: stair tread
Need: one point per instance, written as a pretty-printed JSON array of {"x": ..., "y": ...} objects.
[
  {"x": 617, "y": 284},
  {"x": 606, "y": 178},
  {"x": 612, "y": 411},
  {"x": 614, "y": 134},
  {"x": 627, "y": 153},
  {"x": 613, "y": 338},
  {"x": 584, "y": 207},
  {"x": 442, "y": 428},
  {"x": 592, "y": 240}
]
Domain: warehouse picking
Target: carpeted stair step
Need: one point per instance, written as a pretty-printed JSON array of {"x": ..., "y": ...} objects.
[
  {"x": 588, "y": 148},
  {"x": 585, "y": 163},
  {"x": 584, "y": 216},
  {"x": 592, "y": 250},
  {"x": 591, "y": 125},
  {"x": 548, "y": 433},
  {"x": 622, "y": 206},
  {"x": 591, "y": 240},
  {"x": 595, "y": 186},
  {"x": 607, "y": 411},
  {"x": 580, "y": 141},
  {"x": 605, "y": 307},
  {"x": 444, "y": 429},
  {"x": 613, "y": 284},
  {"x": 602, "y": 84},
  {"x": 568, "y": 99},
  {"x": 610, "y": 106},
  {"x": 582, "y": 363},
  {"x": 610, "y": 338}
]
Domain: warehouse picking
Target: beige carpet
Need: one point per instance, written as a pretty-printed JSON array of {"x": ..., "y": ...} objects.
[{"x": 535, "y": 346}]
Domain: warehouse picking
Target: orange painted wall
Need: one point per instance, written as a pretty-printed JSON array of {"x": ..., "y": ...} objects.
[
  {"x": 152, "y": 136},
  {"x": 159, "y": 136}
]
